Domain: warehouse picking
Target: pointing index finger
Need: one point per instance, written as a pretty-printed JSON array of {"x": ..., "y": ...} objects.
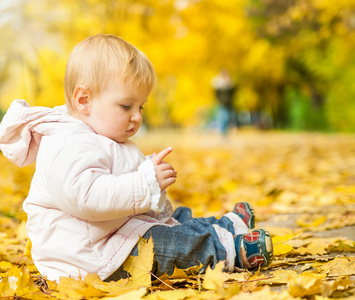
[{"x": 158, "y": 158}]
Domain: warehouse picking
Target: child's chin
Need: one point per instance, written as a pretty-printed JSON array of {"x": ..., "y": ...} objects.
[{"x": 124, "y": 138}]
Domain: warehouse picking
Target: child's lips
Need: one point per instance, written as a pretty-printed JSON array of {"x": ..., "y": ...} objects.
[{"x": 131, "y": 130}]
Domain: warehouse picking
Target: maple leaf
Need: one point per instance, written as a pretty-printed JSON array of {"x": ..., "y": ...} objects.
[
  {"x": 343, "y": 245},
  {"x": 178, "y": 273},
  {"x": 112, "y": 288},
  {"x": 17, "y": 283},
  {"x": 315, "y": 221},
  {"x": 331, "y": 287},
  {"x": 5, "y": 289},
  {"x": 21, "y": 232},
  {"x": 253, "y": 281},
  {"x": 28, "y": 248},
  {"x": 180, "y": 276},
  {"x": 306, "y": 284},
  {"x": 280, "y": 244},
  {"x": 75, "y": 289},
  {"x": 339, "y": 267},
  {"x": 282, "y": 249},
  {"x": 239, "y": 276},
  {"x": 263, "y": 293},
  {"x": 194, "y": 270},
  {"x": 139, "y": 267},
  {"x": 214, "y": 280},
  {"x": 280, "y": 277},
  {"x": 5, "y": 266},
  {"x": 132, "y": 294},
  {"x": 316, "y": 246},
  {"x": 182, "y": 295}
]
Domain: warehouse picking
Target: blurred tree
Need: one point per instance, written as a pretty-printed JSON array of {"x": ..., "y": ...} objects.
[
  {"x": 310, "y": 31},
  {"x": 290, "y": 58},
  {"x": 32, "y": 55}
]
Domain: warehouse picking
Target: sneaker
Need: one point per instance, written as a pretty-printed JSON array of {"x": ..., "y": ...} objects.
[
  {"x": 253, "y": 249},
  {"x": 245, "y": 211}
]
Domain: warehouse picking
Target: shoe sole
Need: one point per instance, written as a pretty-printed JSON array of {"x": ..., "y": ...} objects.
[
  {"x": 250, "y": 211},
  {"x": 266, "y": 246}
]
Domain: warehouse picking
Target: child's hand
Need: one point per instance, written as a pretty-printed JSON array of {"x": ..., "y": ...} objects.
[{"x": 165, "y": 173}]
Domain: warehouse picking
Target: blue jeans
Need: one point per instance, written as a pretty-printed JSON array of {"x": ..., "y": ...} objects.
[
  {"x": 225, "y": 117},
  {"x": 193, "y": 242}
]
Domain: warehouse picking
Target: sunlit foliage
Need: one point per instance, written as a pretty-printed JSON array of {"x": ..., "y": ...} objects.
[{"x": 292, "y": 60}]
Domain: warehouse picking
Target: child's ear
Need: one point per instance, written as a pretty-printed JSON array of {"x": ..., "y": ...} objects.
[{"x": 82, "y": 100}]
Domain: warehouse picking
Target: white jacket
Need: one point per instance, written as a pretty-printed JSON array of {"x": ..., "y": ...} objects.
[{"x": 90, "y": 197}]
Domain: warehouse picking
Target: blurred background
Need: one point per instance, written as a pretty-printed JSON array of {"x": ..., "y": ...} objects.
[{"x": 286, "y": 64}]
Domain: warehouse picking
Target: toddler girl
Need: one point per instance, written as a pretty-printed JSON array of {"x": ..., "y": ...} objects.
[{"x": 94, "y": 193}]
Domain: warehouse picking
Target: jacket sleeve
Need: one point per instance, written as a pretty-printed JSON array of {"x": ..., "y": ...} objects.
[
  {"x": 158, "y": 197},
  {"x": 81, "y": 183}
]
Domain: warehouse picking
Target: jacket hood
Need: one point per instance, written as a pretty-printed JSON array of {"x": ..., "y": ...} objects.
[{"x": 22, "y": 128}]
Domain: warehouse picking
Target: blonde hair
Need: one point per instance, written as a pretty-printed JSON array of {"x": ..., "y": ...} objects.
[{"x": 96, "y": 60}]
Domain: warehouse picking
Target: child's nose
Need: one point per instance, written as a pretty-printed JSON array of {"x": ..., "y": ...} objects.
[{"x": 136, "y": 117}]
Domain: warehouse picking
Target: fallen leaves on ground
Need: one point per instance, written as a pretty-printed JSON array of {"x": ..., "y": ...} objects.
[
  {"x": 302, "y": 187},
  {"x": 139, "y": 266}
]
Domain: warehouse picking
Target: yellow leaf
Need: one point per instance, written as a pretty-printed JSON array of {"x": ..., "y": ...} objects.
[
  {"x": 342, "y": 284},
  {"x": 282, "y": 249},
  {"x": 14, "y": 276},
  {"x": 67, "y": 293},
  {"x": 280, "y": 277},
  {"x": 71, "y": 288},
  {"x": 306, "y": 284},
  {"x": 180, "y": 295},
  {"x": 5, "y": 288},
  {"x": 139, "y": 267},
  {"x": 317, "y": 246},
  {"x": 178, "y": 273},
  {"x": 214, "y": 278},
  {"x": 20, "y": 281},
  {"x": 5, "y": 265},
  {"x": 132, "y": 295},
  {"x": 240, "y": 277},
  {"x": 343, "y": 245},
  {"x": 112, "y": 288},
  {"x": 28, "y": 248},
  {"x": 280, "y": 245},
  {"x": 314, "y": 222},
  {"x": 194, "y": 270},
  {"x": 339, "y": 267},
  {"x": 264, "y": 293},
  {"x": 21, "y": 231},
  {"x": 282, "y": 239}
]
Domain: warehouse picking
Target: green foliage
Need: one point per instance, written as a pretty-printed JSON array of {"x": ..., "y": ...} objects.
[
  {"x": 302, "y": 114},
  {"x": 318, "y": 37}
]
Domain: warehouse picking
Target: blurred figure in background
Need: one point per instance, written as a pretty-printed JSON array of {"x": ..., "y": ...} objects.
[{"x": 224, "y": 88}]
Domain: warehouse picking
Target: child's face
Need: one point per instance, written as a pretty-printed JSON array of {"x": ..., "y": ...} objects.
[{"x": 116, "y": 112}]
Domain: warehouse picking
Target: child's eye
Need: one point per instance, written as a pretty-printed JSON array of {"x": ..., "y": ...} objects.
[
  {"x": 126, "y": 107},
  {"x": 141, "y": 108}
]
